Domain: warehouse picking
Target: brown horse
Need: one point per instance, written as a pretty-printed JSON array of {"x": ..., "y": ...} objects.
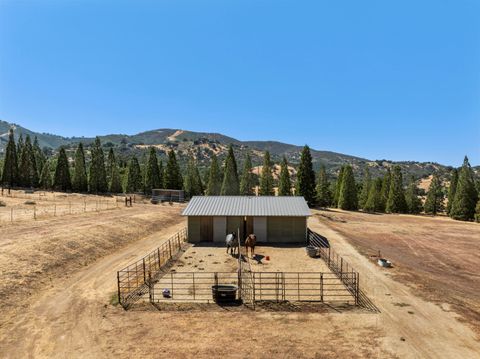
[{"x": 250, "y": 242}]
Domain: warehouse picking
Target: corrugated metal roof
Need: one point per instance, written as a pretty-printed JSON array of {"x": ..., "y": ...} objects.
[{"x": 247, "y": 206}]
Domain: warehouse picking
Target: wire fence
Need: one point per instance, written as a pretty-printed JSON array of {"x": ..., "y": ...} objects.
[{"x": 32, "y": 210}]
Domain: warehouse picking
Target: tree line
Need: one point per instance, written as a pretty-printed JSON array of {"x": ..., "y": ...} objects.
[{"x": 25, "y": 165}]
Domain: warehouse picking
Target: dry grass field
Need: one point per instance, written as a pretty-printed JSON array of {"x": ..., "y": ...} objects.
[
  {"x": 437, "y": 257},
  {"x": 58, "y": 285}
]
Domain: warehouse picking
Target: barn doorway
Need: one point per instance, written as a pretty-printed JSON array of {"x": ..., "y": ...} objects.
[
  {"x": 247, "y": 226},
  {"x": 206, "y": 229}
]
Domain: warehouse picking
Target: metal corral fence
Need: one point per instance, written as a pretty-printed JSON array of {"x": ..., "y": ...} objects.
[
  {"x": 266, "y": 286},
  {"x": 134, "y": 280}
]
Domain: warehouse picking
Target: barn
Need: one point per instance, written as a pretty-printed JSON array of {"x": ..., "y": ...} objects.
[{"x": 273, "y": 219}]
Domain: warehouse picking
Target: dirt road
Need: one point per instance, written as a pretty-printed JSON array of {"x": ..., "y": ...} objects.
[{"x": 428, "y": 330}]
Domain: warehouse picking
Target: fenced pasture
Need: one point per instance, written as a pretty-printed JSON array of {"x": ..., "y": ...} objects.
[{"x": 26, "y": 205}]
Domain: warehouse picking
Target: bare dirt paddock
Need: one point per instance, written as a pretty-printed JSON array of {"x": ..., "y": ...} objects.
[{"x": 59, "y": 302}]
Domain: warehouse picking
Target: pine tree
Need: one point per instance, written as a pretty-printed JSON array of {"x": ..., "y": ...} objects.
[
  {"x": 414, "y": 204},
  {"x": 434, "y": 201},
  {"x": 230, "y": 185},
  {"x": 115, "y": 184},
  {"x": 247, "y": 181},
  {"x": 324, "y": 195},
  {"x": 173, "y": 176},
  {"x": 396, "y": 195},
  {"x": 193, "y": 183},
  {"x": 61, "y": 179},
  {"x": 463, "y": 207},
  {"x": 266, "y": 180},
  {"x": 80, "y": 181},
  {"x": 452, "y": 189},
  {"x": 97, "y": 180},
  {"x": 387, "y": 179},
  {"x": 214, "y": 178},
  {"x": 20, "y": 144},
  {"x": 338, "y": 185},
  {"x": 374, "y": 200},
  {"x": 46, "y": 176},
  {"x": 108, "y": 168},
  {"x": 363, "y": 197},
  {"x": 348, "y": 191},
  {"x": 306, "y": 177},
  {"x": 10, "y": 163},
  {"x": 39, "y": 156},
  {"x": 284, "y": 184},
  {"x": 161, "y": 175},
  {"x": 152, "y": 172},
  {"x": 134, "y": 176},
  {"x": 28, "y": 174}
]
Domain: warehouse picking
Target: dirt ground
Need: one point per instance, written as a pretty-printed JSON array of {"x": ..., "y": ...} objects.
[
  {"x": 20, "y": 206},
  {"x": 437, "y": 257},
  {"x": 66, "y": 310}
]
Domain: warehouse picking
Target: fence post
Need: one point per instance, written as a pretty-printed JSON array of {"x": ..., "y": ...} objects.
[
  {"x": 321, "y": 287},
  {"x": 170, "y": 248},
  {"x": 357, "y": 291},
  {"x": 55, "y": 210},
  {"x": 329, "y": 256},
  {"x": 144, "y": 274},
  {"x": 118, "y": 288},
  {"x": 341, "y": 269}
]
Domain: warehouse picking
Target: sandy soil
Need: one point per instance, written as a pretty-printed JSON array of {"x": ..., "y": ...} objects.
[
  {"x": 71, "y": 316},
  {"x": 436, "y": 256},
  {"x": 428, "y": 330}
]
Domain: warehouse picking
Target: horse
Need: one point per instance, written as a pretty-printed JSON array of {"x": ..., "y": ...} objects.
[
  {"x": 250, "y": 241},
  {"x": 232, "y": 242}
]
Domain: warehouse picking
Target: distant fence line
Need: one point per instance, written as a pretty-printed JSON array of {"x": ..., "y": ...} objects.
[{"x": 16, "y": 213}]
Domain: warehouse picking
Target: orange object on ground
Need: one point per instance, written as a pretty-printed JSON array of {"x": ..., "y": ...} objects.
[{"x": 267, "y": 258}]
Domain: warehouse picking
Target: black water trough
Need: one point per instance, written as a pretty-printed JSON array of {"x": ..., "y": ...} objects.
[{"x": 224, "y": 293}]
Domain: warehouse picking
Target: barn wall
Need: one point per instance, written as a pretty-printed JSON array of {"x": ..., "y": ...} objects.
[
  {"x": 194, "y": 229},
  {"x": 219, "y": 229},
  {"x": 233, "y": 223},
  {"x": 260, "y": 228},
  {"x": 286, "y": 229}
]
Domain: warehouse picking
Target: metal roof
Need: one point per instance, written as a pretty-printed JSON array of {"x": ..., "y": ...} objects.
[{"x": 247, "y": 206}]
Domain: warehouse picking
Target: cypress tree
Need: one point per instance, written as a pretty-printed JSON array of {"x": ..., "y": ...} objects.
[
  {"x": 108, "y": 168},
  {"x": 387, "y": 179},
  {"x": 284, "y": 185},
  {"x": 306, "y": 177},
  {"x": 266, "y": 180},
  {"x": 374, "y": 200},
  {"x": 338, "y": 185},
  {"x": 396, "y": 195},
  {"x": 463, "y": 207},
  {"x": 414, "y": 204},
  {"x": 247, "y": 181},
  {"x": 452, "y": 189},
  {"x": 80, "y": 181},
  {"x": 61, "y": 180},
  {"x": 362, "y": 200},
  {"x": 28, "y": 173},
  {"x": 115, "y": 185},
  {"x": 348, "y": 191},
  {"x": 324, "y": 196},
  {"x": 152, "y": 172},
  {"x": 230, "y": 185},
  {"x": 98, "y": 175},
  {"x": 161, "y": 175},
  {"x": 173, "y": 176},
  {"x": 434, "y": 201},
  {"x": 39, "y": 156},
  {"x": 20, "y": 144},
  {"x": 10, "y": 163},
  {"x": 134, "y": 176},
  {"x": 193, "y": 183},
  {"x": 46, "y": 176},
  {"x": 214, "y": 178}
]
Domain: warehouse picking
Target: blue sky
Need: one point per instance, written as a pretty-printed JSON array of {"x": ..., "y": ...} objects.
[{"x": 377, "y": 79}]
